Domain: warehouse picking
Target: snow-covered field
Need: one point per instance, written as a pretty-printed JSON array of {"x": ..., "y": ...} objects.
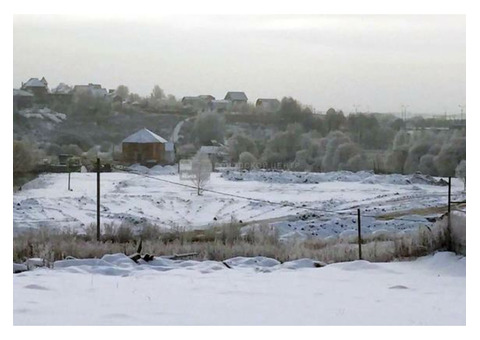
[
  {"x": 255, "y": 291},
  {"x": 300, "y": 204}
]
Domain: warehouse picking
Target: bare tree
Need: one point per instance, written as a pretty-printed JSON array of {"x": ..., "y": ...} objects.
[{"x": 201, "y": 169}]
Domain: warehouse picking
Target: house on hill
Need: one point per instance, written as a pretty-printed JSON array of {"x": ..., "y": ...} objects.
[
  {"x": 268, "y": 104},
  {"x": 200, "y": 103},
  {"x": 22, "y": 99},
  {"x": 62, "y": 93},
  {"x": 95, "y": 90},
  {"x": 39, "y": 88},
  {"x": 219, "y": 105},
  {"x": 146, "y": 147},
  {"x": 236, "y": 97}
]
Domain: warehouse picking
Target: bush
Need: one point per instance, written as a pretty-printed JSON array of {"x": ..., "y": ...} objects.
[
  {"x": 247, "y": 160},
  {"x": 241, "y": 143},
  {"x": 24, "y": 157}
]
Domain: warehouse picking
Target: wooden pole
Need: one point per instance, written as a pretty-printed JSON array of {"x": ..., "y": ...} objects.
[
  {"x": 449, "y": 194},
  {"x": 69, "y": 180},
  {"x": 98, "y": 199},
  {"x": 359, "y": 235},
  {"x": 449, "y": 230}
]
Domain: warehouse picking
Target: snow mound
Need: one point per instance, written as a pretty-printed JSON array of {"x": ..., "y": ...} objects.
[
  {"x": 138, "y": 168},
  {"x": 446, "y": 263},
  {"x": 365, "y": 177},
  {"x": 358, "y": 265},
  {"x": 163, "y": 170},
  {"x": 258, "y": 261},
  {"x": 302, "y": 263},
  {"x": 81, "y": 262}
]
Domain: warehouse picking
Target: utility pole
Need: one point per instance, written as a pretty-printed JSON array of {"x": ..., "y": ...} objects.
[
  {"x": 359, "y": 235},
  {"x": 98, "y": 199},
  {"x": 356, "y": 108},
  {"x": 462, "y": 109},
  {"x": 404, "y": 112}
]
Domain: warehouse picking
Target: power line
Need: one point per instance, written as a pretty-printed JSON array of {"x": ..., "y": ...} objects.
[{"x": 282, "y": 204}]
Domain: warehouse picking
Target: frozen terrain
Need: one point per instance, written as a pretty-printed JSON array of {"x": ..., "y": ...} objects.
[
  {"x": 254, "y": 291},
  {"x": 298, "y": 204}
]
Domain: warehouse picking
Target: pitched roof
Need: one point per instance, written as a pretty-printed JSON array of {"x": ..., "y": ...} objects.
[
  {"x": 144, "y": 136},
  {"x": 34, "y": 82},
  {"x": 236, "y": 96},
  {"x": 62, "y": 88}
]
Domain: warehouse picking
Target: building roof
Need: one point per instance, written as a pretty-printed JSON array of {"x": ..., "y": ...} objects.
[
  {"x": 206, "y": 97},
  {"x": 62, "y": 88},
  {"x": 236, "y": 96},
  {"x": 21, "y": 93},
  {"x": 144, "y": 136},
  {"x": 34, "y": 82},
  {"x": 267, "y": 100},
  {"x": 191, "y": 99},
  {"x": 95, "y": 90}
]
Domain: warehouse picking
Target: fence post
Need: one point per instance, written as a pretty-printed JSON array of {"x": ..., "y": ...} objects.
[
  {"x": 359, "y": 235},
  {"x": 449, "y": 194},
  {"x": 449, "y": 230},
  {"x": 98, "y": 199},
  {"x": 69, "y": 180}
]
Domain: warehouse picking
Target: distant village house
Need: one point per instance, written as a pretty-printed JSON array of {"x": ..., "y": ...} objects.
[
  {"x": 236, "y": 97},
  {"x": 22, "y": 99},
  {"x": 220, "y": 105},
  {"x": 199, "y": 103},
  {"x": 268, "y": 104},
  {"x": 39, "y": 88},
  {"x": 95, "y": 90}
]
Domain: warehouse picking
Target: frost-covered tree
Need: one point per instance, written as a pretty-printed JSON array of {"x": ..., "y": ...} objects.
[
  {"x": 122, "y": 91},
  {"x": 209, "y": 126},
  {"x": 247, "y": 160},
  {"x": 24, "y": 157},
  {"x": 201, "y": 169},
  {"x": 240, "y": 143}
]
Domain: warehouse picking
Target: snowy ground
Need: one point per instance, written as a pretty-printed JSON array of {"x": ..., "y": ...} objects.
[
  {"x": 304, "y": 204},
  {"x": 255, "y": 291}
]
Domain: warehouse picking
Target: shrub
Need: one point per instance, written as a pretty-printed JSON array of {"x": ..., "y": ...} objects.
[
  {"x": 24, "y": 157},
  {"x": 247, "y": 160}
]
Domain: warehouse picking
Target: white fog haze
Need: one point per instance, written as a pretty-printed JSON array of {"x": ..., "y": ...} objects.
[{"x": 377, "y": 62}]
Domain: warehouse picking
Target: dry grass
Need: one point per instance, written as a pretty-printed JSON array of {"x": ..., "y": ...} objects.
[{"x": 223, "y": 242}]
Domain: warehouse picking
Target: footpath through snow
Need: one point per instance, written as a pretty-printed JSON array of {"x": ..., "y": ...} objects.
[{"x": 253, "y": 291}]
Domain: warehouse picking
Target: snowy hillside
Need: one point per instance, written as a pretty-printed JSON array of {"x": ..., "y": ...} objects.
[{"x": 253, "y": 291}]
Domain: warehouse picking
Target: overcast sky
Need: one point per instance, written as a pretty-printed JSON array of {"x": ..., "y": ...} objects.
[{"x": 376, "y": 62}]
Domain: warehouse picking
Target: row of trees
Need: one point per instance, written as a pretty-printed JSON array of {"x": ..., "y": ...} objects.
[{"x": 308, "y": 142}]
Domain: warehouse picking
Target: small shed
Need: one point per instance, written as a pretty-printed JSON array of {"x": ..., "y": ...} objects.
[{"x": 146, "y": 147}]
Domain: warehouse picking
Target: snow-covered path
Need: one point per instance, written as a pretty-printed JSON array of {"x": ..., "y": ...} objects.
[{"x": 428, "y": 291}]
